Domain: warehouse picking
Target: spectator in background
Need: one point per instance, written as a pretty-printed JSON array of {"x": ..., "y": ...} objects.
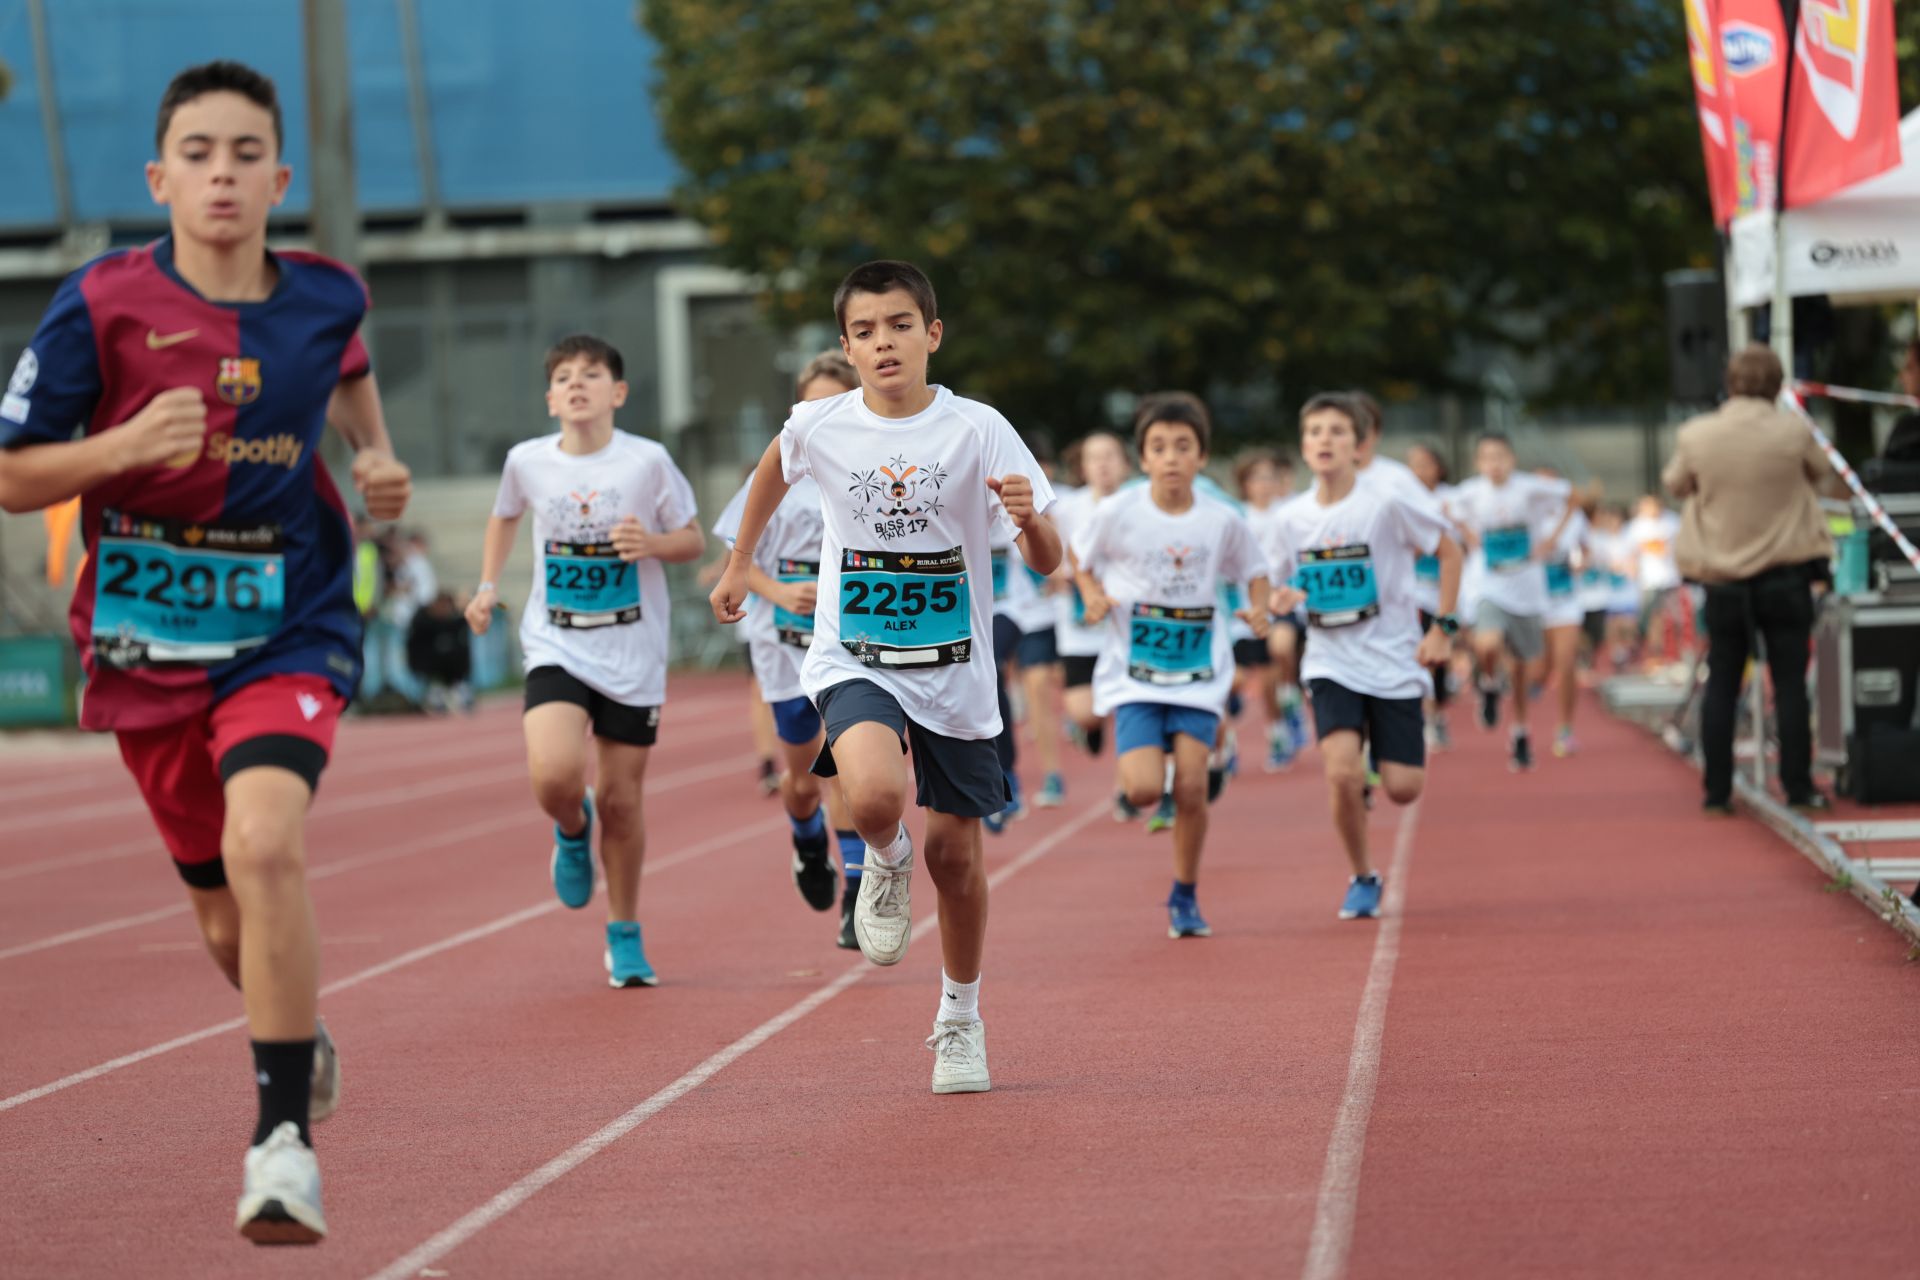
[
  {"x": 411, "y": 585},
  {"x": 1656, "y": 573},
  {"x": 1904, "y": 444},
  {"x": 1752, "y": 532},
  {"x": 440, "y": 654}
]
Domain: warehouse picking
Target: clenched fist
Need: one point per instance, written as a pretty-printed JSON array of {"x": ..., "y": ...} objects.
[
  {"x": 170, "y": 430},
  {"x": 383, "y": 481},
  {"x": 1016, "y": 495}
]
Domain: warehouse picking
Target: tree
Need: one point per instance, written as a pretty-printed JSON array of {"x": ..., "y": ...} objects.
[{"x": 1115, "y": 194}]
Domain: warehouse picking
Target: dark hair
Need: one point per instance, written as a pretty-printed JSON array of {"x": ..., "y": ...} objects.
[
  {"x": 1180, "y": 407},
  {"x": 219, "y": 77},
  {"x": 1494, "y": 437},
  {"x": 1342, "y": 402},
  {"x": 586, "y": 346},
  {"x": 884, "y": 276},
  {"x": 828, "y": 364},
  {"x": 1372, "y": 419},
  {"x": 1755, "y": 371},
  {"x": 1446, "y": 472},
  {"x": 1248, "y": 459}
]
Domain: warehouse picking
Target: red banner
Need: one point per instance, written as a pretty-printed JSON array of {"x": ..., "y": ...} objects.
[
  {"x": 1843, "y": 123},
  {"x": 1710, "y": 96},
  {"x": 1753, "y": 56}
]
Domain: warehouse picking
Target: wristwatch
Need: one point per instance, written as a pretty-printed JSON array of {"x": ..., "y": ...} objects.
[
  {"x": 485, "y": 586},
  {"x": 1448, "y": 624}
]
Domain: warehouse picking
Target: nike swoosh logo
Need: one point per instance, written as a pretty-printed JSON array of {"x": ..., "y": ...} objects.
[{"x": 155, "y": 342}]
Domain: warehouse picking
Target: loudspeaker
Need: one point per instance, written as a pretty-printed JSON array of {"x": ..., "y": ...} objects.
[
  {"x": 1883, "y": 765},
  {"x": 1696, "y": 336}
]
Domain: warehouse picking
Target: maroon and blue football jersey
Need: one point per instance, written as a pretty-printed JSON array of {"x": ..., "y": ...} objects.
[{"x": 204, "y": 573}]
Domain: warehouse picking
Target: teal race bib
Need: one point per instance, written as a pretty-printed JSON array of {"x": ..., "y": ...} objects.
[
  {"x": 789, "y": 627},
  {"x": 1167, "y": 645},
  {"x": 1427, "y": 569},
  {"x": 906, "y": 609},
  {"x": 1592, "y": 577},
  {"x": 1039, "y": 580},
  {"x": 1508, "y": 547},
  {"x": 589, "y": 585},
  {"x": 1560, "y": 579},
  {"x": 1341, "y": 586},
  {"x": 999, "y": 575},
  {"x": 173, "y": 591}
]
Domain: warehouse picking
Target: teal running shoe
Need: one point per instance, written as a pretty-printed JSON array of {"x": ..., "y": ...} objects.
[
  {"x": 626, "y": 959},
  {"x": 573, "y": 861}
]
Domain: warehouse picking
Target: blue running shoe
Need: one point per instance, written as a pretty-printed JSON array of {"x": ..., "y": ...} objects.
[
  {"x": 1280, "y": 749},
  {"x": 573, "y": 861},
  {"x": 1296, "y": 726},
  {"x": 1162, "y": 819},
  {"x": 997, "y": 822},
  {"x": 1183, "y": 919},
  {"x": 626, "y": 959},
  {"x": 1053, "y": 794},
  {"x": 1363, "y": 899}
]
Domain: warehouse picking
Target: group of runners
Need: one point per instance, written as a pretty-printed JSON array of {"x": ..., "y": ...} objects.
[{"x": 903, "y": 550}]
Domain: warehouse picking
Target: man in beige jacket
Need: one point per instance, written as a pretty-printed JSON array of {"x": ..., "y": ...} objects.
[{"x": 1753, "y": 534}]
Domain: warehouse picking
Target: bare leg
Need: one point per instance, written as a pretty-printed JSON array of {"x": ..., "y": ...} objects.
[
  {"x": 1143, "y": 773},
  {"x": 800, "y": 790},
  {"x": 623, "y": 835},
  {"x": 219, "y": 918},
  {"x": 265, "y": 854},
  {"x": 1346, "y": 768},
  {"x": 557, "y": 761},
  {"x": 1043, "y": 713},
  {"x": 1563, "y": 656},
  {"x": 873, "y": 780},
  {"x": 1189, "y": 805},
  {"x": 958, "y": 867}
]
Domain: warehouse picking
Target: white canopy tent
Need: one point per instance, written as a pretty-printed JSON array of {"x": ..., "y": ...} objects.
[{"x": 1860, "y": 245}]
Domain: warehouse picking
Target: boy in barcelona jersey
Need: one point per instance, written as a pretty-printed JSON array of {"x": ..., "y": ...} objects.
[
  {"x": 915, "y": 483},
  {"x": 1345, "y": 550},
  {"x": 609, "y": 509},
  {"x": 215, "y": 615}
]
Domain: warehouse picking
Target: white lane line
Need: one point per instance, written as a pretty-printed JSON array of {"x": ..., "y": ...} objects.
[
  {"x": 472, "y": 1224},
  {"x": 1340, "y": 1177},
  {"x": 385, "y": 967},
  {"x": 665, "y": 782}
]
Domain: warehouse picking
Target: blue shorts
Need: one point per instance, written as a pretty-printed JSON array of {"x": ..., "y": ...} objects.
[
  {"x": 1154, "y": 724},
  {"x": 796, "y": 721},
  {"x": 1037, "y": 648}
]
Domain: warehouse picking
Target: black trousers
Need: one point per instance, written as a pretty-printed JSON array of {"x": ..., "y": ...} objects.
[{"x": 1777, "y": 606}]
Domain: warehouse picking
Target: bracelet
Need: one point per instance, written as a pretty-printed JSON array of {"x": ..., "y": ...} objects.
[
  {"x": 743, "y": 551},
  {"x": 486, "y": 586}
]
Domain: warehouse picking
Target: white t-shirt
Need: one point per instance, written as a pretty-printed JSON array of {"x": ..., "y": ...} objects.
[
  {"x": 1563, "y": 579},
  {"x": 601, "y": 619},
  {"x": 1652, "y": 538},
  {"x": 1021, "y": 594},
  {"x": 789, "y": 549},
  {"x": 905, "y": 598},
  {"x": 1512, "y": 522},
  {"x": 1354, "y": 558},
  {"x": 1426, "y": 569},
  {"x": 1591, "y": 577},
  {"x": 1398, "y": 476},
  {"x": 1074, "y": 639},
  {"x": 1165, "y": 637}
]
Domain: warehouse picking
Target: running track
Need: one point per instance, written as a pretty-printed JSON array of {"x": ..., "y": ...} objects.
[{"x": 1595, "y": 1036}]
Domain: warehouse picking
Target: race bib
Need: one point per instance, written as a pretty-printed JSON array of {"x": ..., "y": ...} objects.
[
  {"x": 589, "y": 585},
  {"x": 1170, "y": 646},
  {"x": 1593, "y": 577},
  {"x": 1427, "y": 569},
  {"x": 1560, "y": 579},
  {"x": 999, "y": 575},
  {"x": 1038, "y": 579},
  {"x": 1340, "y": 584},
  {"x": 906, "y": 609},
  {"x": 1508, "y": 547},
  {"x": 172, "y": 591},
  {"x": 790, "y": 627}
]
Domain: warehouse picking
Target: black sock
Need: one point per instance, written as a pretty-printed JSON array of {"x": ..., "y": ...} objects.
[
  {"x": 284, "y": 1071},
  {"x": 1096, "y": 739}
]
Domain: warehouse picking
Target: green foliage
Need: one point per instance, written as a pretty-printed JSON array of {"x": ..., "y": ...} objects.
[{"x": 1117, "y": 194}]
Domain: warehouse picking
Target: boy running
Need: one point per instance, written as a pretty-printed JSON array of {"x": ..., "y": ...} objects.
[
  {"x": 1104, "y": 466},
  {"x": 215, "y": 614},
  {"x": 915, "y": 482},
  {"x": 609, "y": 509},
  {"x": 785, "y": 574},
  {"x": 1346, "y": 550},
  {"x": 1154, "y": 557}
]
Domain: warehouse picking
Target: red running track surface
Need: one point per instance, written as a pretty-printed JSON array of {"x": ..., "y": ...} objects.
[{"x": 1612, "y": 1039}]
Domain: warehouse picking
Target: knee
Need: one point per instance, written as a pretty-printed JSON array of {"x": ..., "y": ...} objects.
[
  {"x": 618, "y": 808},
  {"x": 1190, "y": 792},
  {"x": 258, "y": 849},
  {"x": 557, "y": 794},
  {"x": 1346, "y": 775},
  {"x": 953, "y": 862},
  {"x": 874, "y": 808},
  {"x": 1143, "y": 792},
  {"x": 1404, "y": 788}
]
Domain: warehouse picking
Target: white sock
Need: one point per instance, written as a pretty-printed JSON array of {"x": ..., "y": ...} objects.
[
  {"x": 959, "y": 1001},
  {"x": 893, "y": 853}
]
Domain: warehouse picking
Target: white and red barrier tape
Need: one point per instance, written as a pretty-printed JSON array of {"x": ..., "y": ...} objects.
[
  {"x": 1790, "y": 398},
  {"x": 1854, "y": 395}
]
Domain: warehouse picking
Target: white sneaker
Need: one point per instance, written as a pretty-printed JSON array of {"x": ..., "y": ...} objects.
[
  {"x": 281, "y": 1204},
  {"x": 883, "y": 914},
  {"x": 326, "y": 1075},
  {"x": 959, "y": 1057}
]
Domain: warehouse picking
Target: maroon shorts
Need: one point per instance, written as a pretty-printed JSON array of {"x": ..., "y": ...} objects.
[{"x": 285, "y": 721}]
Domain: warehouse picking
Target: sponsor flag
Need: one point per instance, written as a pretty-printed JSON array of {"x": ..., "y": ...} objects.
[
  {"x": 1709, "y": 93},
  {"x": 1843, "y": 113},
  {"x": 1753, "y": 55}
]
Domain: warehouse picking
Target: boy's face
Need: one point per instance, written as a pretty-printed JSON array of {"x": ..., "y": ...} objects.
[
  {"x": 219, "y": 172},
  {"x": 582, "y": 392},
  {"x": 1493, "y": 460},
  {"x": 1104, "y": 463},
  {"x": 1171, "y": 455},
  {"x": 1262, "y": 484},
  {"x": 888, "y": 340},
  {"x": 822, "y": 388},
  {"x": 1329, "y": 442}
]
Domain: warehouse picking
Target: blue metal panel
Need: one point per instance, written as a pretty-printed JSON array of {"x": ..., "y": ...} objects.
[
  {"x": 26, "y": 182},
  {"x": 529, "y": 103}
]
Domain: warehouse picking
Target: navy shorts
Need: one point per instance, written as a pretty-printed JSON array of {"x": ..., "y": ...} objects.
[
  {"x": 1037, "y": 648},
  {"x": 1078, "y": 669},
  {"x": 1251, "y": 652},
  {"x": 1394, "y": 726},
  {"x": 614, "y": 721},
  {"x": 1154, "y": 724},
  {"x": 796, "y": 721},
  {"x": 955, "y": 776}
]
